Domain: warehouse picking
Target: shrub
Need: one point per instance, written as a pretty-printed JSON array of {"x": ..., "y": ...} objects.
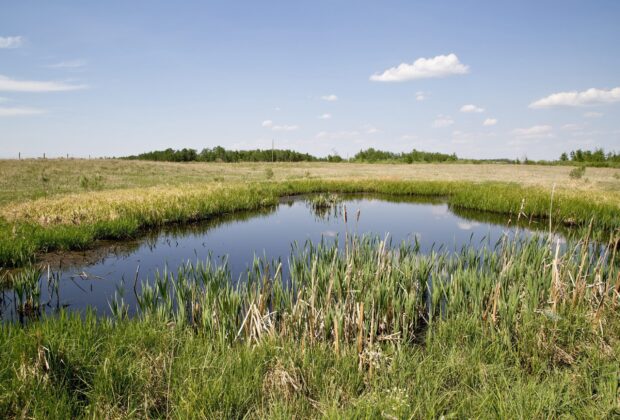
[{"x": 577, "y": 173}]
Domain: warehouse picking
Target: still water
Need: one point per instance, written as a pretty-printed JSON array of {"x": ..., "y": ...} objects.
[{"x": 90, "y": 279}]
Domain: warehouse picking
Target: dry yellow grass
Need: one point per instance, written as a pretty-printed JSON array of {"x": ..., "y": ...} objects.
[{"x": 27, "y": 179}]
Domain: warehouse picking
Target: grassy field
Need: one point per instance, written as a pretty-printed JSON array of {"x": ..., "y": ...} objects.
[
  {"x": 80, "y": 201},
  {"x": 527, "y": 330},
  {"x": 29, "y": 179}
]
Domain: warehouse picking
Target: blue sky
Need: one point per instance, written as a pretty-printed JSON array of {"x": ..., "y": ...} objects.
[{"x": 482, "y": 78}]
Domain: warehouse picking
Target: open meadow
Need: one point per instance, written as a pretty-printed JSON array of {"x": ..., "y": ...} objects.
[
  {"x": 528, "y": 327},
  {"x": 34, "y": 178}
]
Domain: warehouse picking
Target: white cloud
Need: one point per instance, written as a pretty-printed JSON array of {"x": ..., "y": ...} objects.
[
  {"x": 408, "y": 137},
  {"x": 587, "y": 97},
  {"x": 325, "y": 116},
  {"x": 593, "y": 114},
  {"x": 329, "y": 98},
  {"x": 11, "y": 85},
  {"x": 537, "y": 131},
  {"x": 442, "y": 121},
  {"x": 422, "y": 68},
  {"x": 11, "y": 41},
  {"x": 471, "y": 108},
  {"x": 420, "y": 96},
  {"x": 489, "y": 121},
  {"x": 19, "y": 112},
  {"x": 71, "y": 64},
  {"x": 275, "y": 127}
]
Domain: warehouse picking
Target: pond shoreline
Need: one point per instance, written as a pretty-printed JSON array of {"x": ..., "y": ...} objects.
[{"x": 136, "y": 211}]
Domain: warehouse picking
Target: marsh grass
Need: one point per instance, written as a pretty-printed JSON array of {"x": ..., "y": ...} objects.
[
  {"x": 324, "y": 201},
  {"x": 26, "y": 287},
  {"x": 526, "y": 328},
  {"x": 76, "y": 221}
]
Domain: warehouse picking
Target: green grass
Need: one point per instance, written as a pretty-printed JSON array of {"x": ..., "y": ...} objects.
[
  {"x": 521, "y": 331},
  {"x": 76, "y": 221}
]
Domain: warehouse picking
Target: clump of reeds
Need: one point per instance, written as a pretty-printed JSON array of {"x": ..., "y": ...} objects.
[
  {"x": 372, "y": 293},
  {"x": 324, "y": 201},
  {"x": 27, "y": 290},
  {"x": 325, "y": 205}
]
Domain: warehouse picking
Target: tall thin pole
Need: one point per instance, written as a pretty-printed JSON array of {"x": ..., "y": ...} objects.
[{"x": 272, "y": 150}]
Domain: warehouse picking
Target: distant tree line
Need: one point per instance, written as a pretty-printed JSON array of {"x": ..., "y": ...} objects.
[
  {"x": 371, "y": 155},
  {"x": 588, "y": 156},
  {"x": 220, "y": 154},
  {"x": 596, "y": 157}
]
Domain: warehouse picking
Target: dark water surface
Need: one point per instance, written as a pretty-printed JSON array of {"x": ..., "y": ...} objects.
[{"x": 91, "y": 278}]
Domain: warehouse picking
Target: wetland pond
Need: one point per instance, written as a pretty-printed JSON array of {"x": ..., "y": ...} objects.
[{"x": 91, "y": 278}]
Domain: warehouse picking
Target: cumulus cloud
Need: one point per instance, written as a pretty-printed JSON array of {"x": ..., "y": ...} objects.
[
  {"x": 19, "y": 112},
  {"x": 325, "y": 116},
  {"x": 593, "y": 114},
  {"x": 442, "y": 121},
  {"x": 275, "y": 127},
  {"x": 489, "y": 122},
  {"x": 329, "y": 98},
  {"x": 71, "y": 64},
  {"x": 591, "y": 96},
  {"x": 420, "y": 96},
  {"x": 471, "y": 108},
  {"x": 11, "y": 85},
  {"x": 536, "y": 131},
  {"x": 11, "y": 41},
  {"x": 423, "y": 68}
]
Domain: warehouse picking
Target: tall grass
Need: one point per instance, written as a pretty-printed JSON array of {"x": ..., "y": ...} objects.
[
  {"x": 373, "y": 292},
  {"x": 524, "y": 328}
]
